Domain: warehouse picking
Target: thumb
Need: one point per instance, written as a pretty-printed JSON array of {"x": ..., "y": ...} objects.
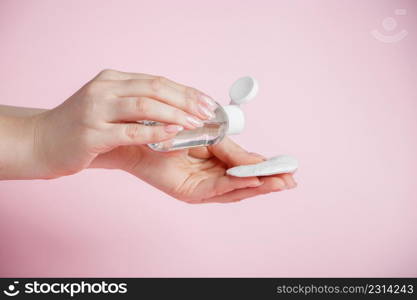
[
  {"x": 233, "y": 154},
  {"x": 137, "y": 134}
]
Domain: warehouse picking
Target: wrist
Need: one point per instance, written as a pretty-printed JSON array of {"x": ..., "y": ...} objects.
[
  {"x": 17, "y": 155},
  {"x": 37, "y": 151}
]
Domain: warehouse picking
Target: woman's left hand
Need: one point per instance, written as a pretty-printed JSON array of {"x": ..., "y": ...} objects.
[{"x": 196, "y": 175}]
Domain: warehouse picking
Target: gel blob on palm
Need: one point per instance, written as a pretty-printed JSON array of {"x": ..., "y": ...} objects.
[{"x": 228, "y": 120}]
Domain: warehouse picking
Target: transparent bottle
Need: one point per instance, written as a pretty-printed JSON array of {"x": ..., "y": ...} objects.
[{"x": 228, "y": 120}]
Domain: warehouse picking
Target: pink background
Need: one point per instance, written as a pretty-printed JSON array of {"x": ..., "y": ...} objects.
[{"x": 342, "y": 102}]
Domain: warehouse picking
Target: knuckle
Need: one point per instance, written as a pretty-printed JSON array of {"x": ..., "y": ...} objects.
[
  {"x": 190, "y": 105},
  {"x": 190, "y": 99},
  {"x": 142, "y": 105},
  {"x": 190, "y": 92},
  {"x": 92, "y": 94},
  {"x": 93, "y": 88},
  {"x": 134, "y": 84},
  {"x": 132, "y": 131},
  {"x": 155, "y": 134},
  {"x": 106, "y": 73},
  {"x": 162, "y": 79},
  {"x": 125, "y": 105},
  {"x": 157, "y": 83}
]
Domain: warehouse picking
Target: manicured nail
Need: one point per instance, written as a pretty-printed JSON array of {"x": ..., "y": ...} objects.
[
  {"x": 256, "y": 184},
  {"x": 209, "y": 101},
  {"x": 281, "y": 184},
  {"x": 173, "y": 128},
  {"x": 258, "y": 155},
  {"x": 203, "y": 110},
  {"x": 194, "y": 121},
  {"x": 294, "y": 185}
]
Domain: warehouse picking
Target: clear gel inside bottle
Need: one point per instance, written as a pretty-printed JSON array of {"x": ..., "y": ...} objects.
[
  {"x": 211, "y": 133},
  {"x": 228, "y": 120}
]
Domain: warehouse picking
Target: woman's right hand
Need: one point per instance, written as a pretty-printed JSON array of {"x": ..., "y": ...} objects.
[{"x": 103, "y": 115}]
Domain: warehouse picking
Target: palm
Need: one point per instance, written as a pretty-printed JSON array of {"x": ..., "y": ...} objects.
[
  {"x": 189, "y": 175},
  {"x": 197, "y": 175}
]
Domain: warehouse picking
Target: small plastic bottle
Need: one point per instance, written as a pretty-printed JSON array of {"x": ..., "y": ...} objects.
[{"x": 228, "y": 120}]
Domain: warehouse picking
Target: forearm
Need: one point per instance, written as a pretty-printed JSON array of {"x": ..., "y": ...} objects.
[
  {"x": 17, "y": 111},
  {"x": 17, "y": 147}
]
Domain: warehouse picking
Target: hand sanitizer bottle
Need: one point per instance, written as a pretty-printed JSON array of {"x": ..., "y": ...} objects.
[{"x": 228, "y": 120}]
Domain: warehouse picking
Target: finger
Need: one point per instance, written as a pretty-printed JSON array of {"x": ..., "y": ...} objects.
[
  {"x": 234, "y": 155},
  {"x": 288, "y": 179},
  {"x": 190, "y": 100},
  {"x": 258, "y": 155},
  {"x": 200, "y": 152},
  {"x": 220, "y": 185},
  {"x": 110, "y": 74},
  {"x": 234, "y": 196},
  {"x": 273, "y": 184},
  {"x": 269, "y": 185},
  {"x": 143, "y": 108},
  {"x": 137, "y": 134}
]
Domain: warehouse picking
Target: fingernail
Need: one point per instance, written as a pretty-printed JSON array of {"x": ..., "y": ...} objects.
[
  {"x": 209, "y": 101},
  {"x": 203, "y": 110},
  {"x": 258, "y": 155},
  {"x": 281, "y": 184},
  {"x": 256, "y": 184},
  {"x": 194, "y": 121},
  {"x": 173, "y": 128}
]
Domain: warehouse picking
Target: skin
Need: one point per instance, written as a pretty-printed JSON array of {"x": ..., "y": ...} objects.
[{"x": 97, "y": 128}]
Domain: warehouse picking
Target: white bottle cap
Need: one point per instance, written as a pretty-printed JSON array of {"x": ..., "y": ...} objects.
[
  {"x": 243, "y": 90},
  {"x": 236, "y": 119}
]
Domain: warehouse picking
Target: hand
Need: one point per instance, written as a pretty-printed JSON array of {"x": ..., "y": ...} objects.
[
  {"x": 196, "y": 175},
  {"x": 103, "y": 115},
  {"x": 96, "y": 127}
]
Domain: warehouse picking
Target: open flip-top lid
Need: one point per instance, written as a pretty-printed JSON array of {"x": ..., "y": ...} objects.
[{"x": 242, "y": 90}]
